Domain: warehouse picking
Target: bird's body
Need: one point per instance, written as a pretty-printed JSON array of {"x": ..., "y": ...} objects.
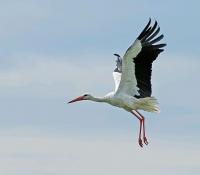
[
  {"x": 122, "y": 101},
  {"x": 128, "y": 102},
  {"x": 132, "y": 77}
]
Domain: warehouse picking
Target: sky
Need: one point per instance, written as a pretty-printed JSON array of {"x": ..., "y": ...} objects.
[{"x": 53, "y": 51}]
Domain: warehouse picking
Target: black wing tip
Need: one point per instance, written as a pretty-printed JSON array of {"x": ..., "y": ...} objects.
[
  {"x": 163, "y": 45},
  {"x": 145, "y": 30},
  {"x": 117, "y": 55},
  {"x": 149, "y": 20},
  {"x": 117, "y": 70},
  {"x": 119, "y": 63},
  {"x": 148, "y": 28},
  {"x": 149, "y": 33},
  {"x": 156, "y": 40}
]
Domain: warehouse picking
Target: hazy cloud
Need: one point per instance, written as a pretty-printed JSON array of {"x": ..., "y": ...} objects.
[
  {"x": 75, "y": 155},
  {"x": 53, "y": 51}
]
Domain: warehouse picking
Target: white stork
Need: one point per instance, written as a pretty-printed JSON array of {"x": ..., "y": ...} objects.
[{"x": 132, "y": 78}]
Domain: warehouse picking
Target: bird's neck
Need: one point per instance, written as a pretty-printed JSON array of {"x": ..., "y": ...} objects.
[{"x": 98, "y": 99}]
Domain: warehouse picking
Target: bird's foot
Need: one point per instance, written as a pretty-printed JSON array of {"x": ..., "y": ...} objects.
[
  {"x": 145, "y": 140},
  {"x": 140, "y": 142}
]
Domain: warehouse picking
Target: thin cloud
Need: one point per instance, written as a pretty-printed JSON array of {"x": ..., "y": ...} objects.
[
  {"x": 74, "y": 155},
  {"x": 95, "y": 74},
  {"x": 55, "y": 73}
]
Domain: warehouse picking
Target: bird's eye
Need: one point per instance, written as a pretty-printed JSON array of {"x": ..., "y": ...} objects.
[{"x": 85, "y": 95}]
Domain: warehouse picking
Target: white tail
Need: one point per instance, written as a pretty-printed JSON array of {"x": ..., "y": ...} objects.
[{"x": 149, "y": 104}]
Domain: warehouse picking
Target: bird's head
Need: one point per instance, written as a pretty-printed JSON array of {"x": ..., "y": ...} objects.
[{"x": 80, "y": 98}]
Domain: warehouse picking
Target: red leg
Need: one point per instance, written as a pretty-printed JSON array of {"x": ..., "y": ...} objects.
[{"x": 141, "y": 121}]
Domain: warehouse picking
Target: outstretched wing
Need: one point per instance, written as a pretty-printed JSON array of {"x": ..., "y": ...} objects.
[
  {"x": 137, "y": 62},
  {"x": 117, "y": 72}
]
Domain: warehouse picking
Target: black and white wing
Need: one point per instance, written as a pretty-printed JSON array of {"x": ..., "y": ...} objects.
[
  {"x": 117, "y": 72},
  {"x": 137, "y": 62}
]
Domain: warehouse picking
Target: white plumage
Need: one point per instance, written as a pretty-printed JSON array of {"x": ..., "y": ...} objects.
[
  {"x": 117, "y": 79},
  {"x": 132, "y": 77}
]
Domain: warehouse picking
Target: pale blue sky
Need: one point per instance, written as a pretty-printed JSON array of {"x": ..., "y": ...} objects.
[{"x": 52, "y": 51}]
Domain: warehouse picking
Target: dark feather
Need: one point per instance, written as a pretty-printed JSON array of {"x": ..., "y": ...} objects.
[
  {"x": 150, "y": 32},
  {"x": 118, "y": 63},
  {"x": 153, "y": 35},
  {"x": 156, "y": 39},
  {"x": 143, "y": 61},
  {"x": 142, "y": 34}
]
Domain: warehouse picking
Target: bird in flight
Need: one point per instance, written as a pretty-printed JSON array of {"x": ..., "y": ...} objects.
[{"x": 132, "y": 78}]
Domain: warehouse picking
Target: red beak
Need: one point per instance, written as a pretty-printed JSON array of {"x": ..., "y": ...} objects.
[{"x": 77, "y": 99}]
